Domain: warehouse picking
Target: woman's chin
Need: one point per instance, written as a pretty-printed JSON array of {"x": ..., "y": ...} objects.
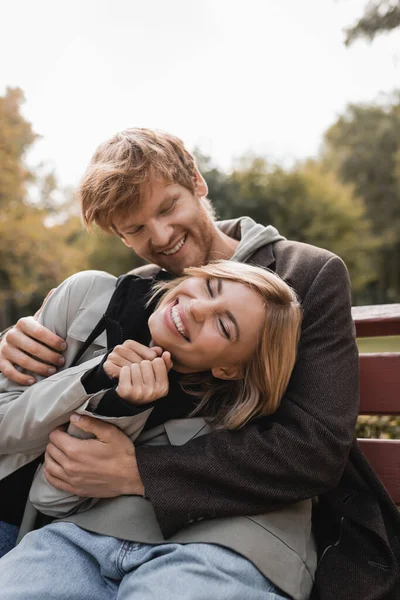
[{"x": 159, "y": 340}]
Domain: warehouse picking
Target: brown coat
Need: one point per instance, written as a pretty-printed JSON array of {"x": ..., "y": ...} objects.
[{"x": 300, "y": 452}]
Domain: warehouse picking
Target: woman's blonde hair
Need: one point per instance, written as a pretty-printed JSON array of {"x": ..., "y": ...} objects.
[
  {"x": 267, "y": 373},
  {"x": 120, "y": 168}
]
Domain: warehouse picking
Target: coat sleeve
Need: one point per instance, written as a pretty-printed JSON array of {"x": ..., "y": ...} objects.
[
  {"x": 56, "y": 503},
  {"x": 29, "y": 414},
  {"x": 297, "y": 453}
]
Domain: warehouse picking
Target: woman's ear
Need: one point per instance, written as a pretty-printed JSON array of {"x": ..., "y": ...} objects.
[{"x": 229, "y": 373}]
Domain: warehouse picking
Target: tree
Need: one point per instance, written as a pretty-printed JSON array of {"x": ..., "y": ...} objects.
[
  {"x": 33, "y": 257},
  {"x": 106, "y": 252},
  {"x": 16, "y": 136},
  {"x": 363, "y": 146},
  {"x": 307, "y": 203},
  {"x": 379, "y": 16}
]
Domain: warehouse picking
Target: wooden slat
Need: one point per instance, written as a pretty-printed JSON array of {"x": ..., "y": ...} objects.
[
  {"x": 380, "y": 383},
  {"x": 384, "y": 456},
  {"x": 378, "y": 320}
]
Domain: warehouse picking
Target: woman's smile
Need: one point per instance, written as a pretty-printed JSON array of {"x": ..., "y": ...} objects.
[
  {"x": 203, "y": 322},
  {"x": 175, "y": 319}
]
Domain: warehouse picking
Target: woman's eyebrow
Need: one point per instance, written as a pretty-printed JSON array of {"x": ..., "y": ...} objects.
[{"x": 228, "y": 312}]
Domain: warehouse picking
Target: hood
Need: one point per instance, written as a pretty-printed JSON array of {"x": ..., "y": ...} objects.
[{"x": 251, "y": 235}]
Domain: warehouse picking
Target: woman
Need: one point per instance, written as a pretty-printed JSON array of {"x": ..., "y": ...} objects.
[
  {"x": 238, "y": 366},
  {"x": 201, "y": 320}
]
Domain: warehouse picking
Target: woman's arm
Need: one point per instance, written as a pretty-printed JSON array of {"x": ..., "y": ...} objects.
[{"x": 27, "y": 415}]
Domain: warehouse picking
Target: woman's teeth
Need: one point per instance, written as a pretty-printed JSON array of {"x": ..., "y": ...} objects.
[
  {"x": 177, "y": 321},
  {"x": 175, "y": 249}
]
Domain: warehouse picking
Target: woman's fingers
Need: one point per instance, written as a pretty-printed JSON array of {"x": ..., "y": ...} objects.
[
  {"x": 144, "y": 382},
  {"x": 147, "y": 375},
  {"x": 122, "y": 356},
  {"x": 166, "y": 356},
  {"x": 136, "y": 352},
  {"x": 127, "y": 353},
  {"x": 161, "y": 377},
  {"x": 130, "y": 385},
  {"x": 114, "y": 364}
]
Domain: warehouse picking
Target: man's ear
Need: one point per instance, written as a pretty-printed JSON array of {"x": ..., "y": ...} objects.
[
  {"x": 201, "y": 187},
  {"x": 229, "y": 373}
]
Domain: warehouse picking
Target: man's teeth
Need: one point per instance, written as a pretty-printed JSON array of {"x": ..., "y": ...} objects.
[
  {"x": 175, "y": 249},
  {"x": 177, "y": 321}
]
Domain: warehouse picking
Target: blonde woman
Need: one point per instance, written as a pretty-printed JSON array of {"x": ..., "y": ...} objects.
[
  {"x": 219, "y": 341},
  {"x": 229, "y": 330}
]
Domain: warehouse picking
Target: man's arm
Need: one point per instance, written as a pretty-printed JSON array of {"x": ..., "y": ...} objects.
[{"x": 300, "y": 452}]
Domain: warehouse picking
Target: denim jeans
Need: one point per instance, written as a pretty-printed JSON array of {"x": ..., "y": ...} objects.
[
  {"x": 64, "y": 562},
  {"x": 8, "y": 537}
]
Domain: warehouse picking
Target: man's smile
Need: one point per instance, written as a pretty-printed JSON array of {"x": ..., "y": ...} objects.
[{"x": 175, "y": 248}]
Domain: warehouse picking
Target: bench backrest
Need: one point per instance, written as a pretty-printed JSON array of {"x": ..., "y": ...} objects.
[{"x": 380, "y": 389}]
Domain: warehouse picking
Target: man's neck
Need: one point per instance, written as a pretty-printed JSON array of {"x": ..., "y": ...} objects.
[{"x": 224, "y": 247}]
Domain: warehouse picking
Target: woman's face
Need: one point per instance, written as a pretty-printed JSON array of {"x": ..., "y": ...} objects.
[{"x": 209, "y": 324}]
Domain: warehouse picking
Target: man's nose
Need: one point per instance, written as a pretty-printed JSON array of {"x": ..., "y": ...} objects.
[{"x": 161, "y": 235}]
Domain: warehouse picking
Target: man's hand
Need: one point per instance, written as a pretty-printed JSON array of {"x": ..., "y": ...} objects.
[
  {"x": 26, "y": 342},
  {"x": 104, "y": 467}
]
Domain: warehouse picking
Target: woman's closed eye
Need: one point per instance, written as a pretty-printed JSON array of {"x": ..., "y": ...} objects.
[
  {"x": 225, "y": 331},
  {"x": 223, "y": 328},
  {"x": 209, "y": 288}
]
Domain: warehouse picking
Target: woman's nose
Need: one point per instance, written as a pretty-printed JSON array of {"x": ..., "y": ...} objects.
[{"x": 199, "y": 309}]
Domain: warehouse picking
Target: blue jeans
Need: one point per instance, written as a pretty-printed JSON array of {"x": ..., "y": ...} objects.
[
  {"x": 64, "y": 562},
  {"x": 8, "y": 537}
]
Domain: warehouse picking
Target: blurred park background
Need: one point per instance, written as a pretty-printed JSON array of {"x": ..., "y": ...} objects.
[{"x": 292, "y": 109}]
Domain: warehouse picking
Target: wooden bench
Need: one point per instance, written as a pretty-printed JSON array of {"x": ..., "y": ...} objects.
[{"x": 380, "y": 389}]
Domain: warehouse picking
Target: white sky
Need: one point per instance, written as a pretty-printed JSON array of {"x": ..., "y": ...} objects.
[{"x": 227, "y": 75}]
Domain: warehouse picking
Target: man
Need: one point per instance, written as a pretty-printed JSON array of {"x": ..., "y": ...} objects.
[{"x": 301, "y": 452}]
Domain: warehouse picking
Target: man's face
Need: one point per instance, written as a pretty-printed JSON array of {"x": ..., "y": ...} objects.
[{"x": 172, "y": 228}]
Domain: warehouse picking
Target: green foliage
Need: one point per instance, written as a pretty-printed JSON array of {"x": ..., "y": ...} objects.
[
  {"x": 384, "y": 427},
  {"x": 379, "y": 16},
  {"x": 363, "y": 147},
  {"x": 16, "y": 136},
  {"x": 306, "y": 203},
  {"x": 347, "y": 202},
  {"x": 106, "y": 252},
  {"x": 33, "y": 256}
]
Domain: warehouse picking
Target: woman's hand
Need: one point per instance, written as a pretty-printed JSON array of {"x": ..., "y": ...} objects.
[
  {"x": 128, "y": 353},
  {"x": 144, "y": 382}
]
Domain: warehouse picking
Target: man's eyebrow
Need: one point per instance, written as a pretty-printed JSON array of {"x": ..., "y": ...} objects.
[{"x": 228, "y": 312}]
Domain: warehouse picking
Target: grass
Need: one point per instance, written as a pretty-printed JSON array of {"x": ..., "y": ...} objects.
[
  {"x": 382, "y": 344},
  {"x": 383, "y": 427}
]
